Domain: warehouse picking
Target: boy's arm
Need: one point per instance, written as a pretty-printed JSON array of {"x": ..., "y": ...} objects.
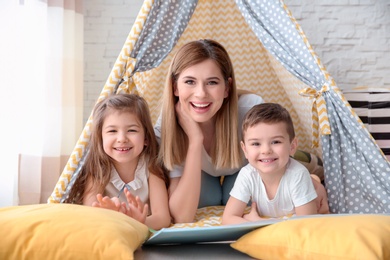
[
  {"x": 309, "y": 208},
  {"x": 234, "y": 211}
]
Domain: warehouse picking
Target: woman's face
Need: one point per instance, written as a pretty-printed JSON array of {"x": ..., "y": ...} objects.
[{"x": 201, "y": 90}]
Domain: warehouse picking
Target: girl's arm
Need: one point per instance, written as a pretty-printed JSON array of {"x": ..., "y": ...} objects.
[
  {"x": 184, "y": 192},
  {"x": 309, "y": 208},
  {"x": 158, "y": 199},
  {"x": 95, "y": 199},
  {"x": 89, "y": 194},
  {"x": 234, "y": 212}
]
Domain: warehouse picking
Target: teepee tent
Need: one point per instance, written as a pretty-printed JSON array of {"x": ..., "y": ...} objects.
[{"x": 272, "y": 57}]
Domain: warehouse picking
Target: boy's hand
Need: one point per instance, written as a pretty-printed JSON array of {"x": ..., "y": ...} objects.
[{"x": 253, "y": 215}]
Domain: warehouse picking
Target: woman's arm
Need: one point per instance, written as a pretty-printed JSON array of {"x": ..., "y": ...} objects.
[
  {"x": 158, "y": 199},
  {"x": 184, "y": 192}
]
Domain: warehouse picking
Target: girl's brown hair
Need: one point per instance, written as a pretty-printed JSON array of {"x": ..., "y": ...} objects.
[
  {"x": 174, "y": 142},
  {"x": 98, "y": 165}
]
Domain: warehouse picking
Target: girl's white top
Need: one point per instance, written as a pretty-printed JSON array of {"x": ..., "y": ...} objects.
[{"x": 138, "y": 187}]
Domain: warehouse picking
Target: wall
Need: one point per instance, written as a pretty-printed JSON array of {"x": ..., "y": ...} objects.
[
  {"x": 351, "y": 37},
  {"x": 107, "y": 24}
]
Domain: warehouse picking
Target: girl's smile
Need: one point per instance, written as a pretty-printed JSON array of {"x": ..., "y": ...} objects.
[{"x": 123, "y": 137}]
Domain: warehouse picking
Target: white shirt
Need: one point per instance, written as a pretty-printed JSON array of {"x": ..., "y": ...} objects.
[
  {"x": 295, "y": 189},
  {"x": 138, "y": 187}
]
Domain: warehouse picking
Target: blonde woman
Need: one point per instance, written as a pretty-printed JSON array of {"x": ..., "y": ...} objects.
[{"x": 199, "y": 128}]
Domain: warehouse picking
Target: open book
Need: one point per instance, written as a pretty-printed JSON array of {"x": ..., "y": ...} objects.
[
  {"x": 208, "y": 234},
  {"x": 205, "y": 234}
]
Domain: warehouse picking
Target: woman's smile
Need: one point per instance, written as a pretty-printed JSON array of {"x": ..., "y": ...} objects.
[{"x": 201, "y": 89}]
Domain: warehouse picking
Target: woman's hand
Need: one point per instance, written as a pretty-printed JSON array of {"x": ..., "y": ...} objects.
[{"x": 190, "y": 127}]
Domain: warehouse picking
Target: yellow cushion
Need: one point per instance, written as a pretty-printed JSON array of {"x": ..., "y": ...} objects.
[
  {"x": 354, "y": 236},
  {"x": 65, "y": 231}
]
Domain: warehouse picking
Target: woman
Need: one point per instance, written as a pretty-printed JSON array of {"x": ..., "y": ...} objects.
[{"x": 200, "y": 127}]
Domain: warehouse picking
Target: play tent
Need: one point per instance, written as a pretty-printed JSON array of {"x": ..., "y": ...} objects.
[{"x": 272, "y": 57}]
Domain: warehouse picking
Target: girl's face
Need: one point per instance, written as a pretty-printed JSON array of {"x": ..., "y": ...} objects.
[
  {"x": 268, "y": 147},
  {"x": 123, "y": 137},
  {"x": 201, "y": 90}
]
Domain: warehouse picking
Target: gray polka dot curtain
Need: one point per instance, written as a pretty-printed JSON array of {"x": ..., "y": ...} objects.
[{"x": 357, "y": 174}]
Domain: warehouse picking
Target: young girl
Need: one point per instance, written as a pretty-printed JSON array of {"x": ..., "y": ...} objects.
[{"x": 121, "y": 163}]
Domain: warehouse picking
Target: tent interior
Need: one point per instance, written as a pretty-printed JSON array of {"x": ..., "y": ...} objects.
[{"x": 273, "y": 58}]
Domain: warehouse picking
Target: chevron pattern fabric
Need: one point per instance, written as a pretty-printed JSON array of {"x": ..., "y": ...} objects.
[{"x": 255, "y": 69}]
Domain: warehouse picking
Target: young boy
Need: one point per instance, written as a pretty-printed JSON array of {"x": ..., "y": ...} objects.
[{"x": 278, "y": 185}]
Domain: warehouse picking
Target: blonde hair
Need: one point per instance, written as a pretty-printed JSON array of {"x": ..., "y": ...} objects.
[
  {"x": 98, "y": 165},
  {"x": 174, "y": 142}
]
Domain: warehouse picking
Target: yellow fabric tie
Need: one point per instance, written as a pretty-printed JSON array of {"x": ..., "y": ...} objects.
[
  {"x": 319, "y": 112},
  {"x": 127, "y": 85}
]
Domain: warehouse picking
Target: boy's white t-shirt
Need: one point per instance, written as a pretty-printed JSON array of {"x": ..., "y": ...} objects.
[{"x": 295, "y": 189}]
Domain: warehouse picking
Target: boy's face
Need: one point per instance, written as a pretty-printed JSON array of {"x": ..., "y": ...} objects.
[{"x": 268, "y": 147}]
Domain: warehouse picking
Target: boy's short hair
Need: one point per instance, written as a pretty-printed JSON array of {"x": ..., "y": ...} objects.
[{"x": 269, "y": 113}]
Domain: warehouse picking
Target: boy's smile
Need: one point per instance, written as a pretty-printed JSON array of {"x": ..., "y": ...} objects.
[{"x": 268, "y": 147}]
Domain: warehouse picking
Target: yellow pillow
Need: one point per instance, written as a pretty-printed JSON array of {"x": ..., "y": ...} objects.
[
  {"x": 66, "y": 231},
  {"x": 354, "y": 236}
]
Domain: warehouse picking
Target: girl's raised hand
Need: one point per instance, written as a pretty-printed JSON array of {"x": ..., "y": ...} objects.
[
  {"x": 136, "y": 208},
  {"x": 109, "y": 203}
]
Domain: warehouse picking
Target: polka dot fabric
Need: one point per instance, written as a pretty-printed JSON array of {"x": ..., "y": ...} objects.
[
  {"x": 165, "y": 23},
  {"x": 357, "y": 175},
  {"x": 275, "y": 28}
]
